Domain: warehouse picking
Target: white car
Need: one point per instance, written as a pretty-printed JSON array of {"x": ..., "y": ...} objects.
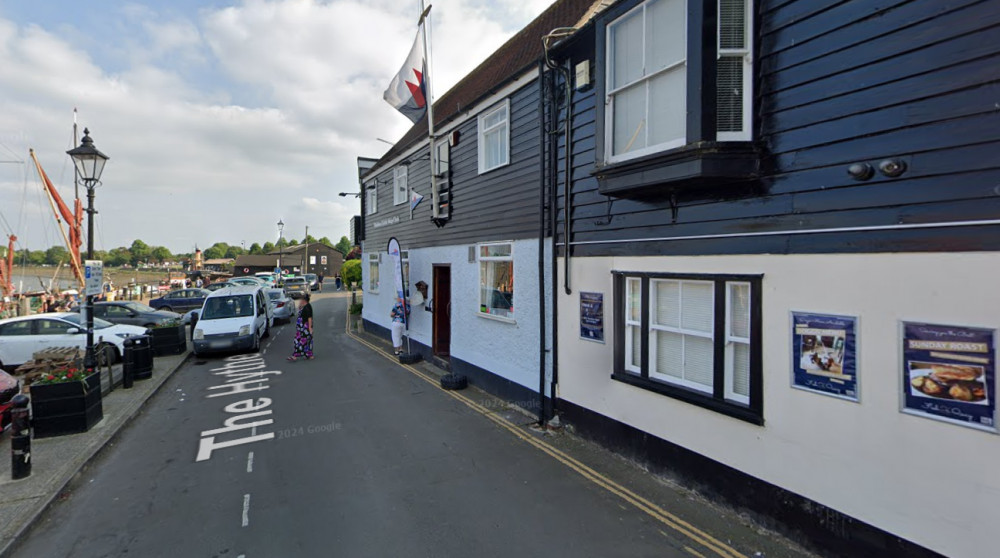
[
  {"x": 22, "y": 337},
  {"x": 233, "y": 319}
]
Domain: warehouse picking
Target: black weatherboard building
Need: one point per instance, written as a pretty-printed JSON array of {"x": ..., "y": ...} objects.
[{"x": 776, "y": 200}]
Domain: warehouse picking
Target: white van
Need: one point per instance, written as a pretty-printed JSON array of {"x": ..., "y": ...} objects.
[{"x": 233, "y": 319}]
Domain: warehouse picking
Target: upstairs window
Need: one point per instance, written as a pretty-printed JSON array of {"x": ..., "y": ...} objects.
[
  {"x": 494, "y": 138},
  {"x": 371, "y": 197},
  {"x": 400, "y": 191},
  {"x": 733, "y": 72}
]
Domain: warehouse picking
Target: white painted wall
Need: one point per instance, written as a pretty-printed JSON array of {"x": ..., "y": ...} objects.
[
  {"x": 506, "y": 349},
  {"x": 933, "y": 483}
]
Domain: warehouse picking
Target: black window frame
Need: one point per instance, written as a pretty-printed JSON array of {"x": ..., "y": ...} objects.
[
  {"x": 703, "y": 160},
  {"x": 752, "y": 412}
]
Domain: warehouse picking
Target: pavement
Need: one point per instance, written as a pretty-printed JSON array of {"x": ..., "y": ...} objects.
[
  {"x": 353, "y": 454},
  {"x": 56, "y": 461}
]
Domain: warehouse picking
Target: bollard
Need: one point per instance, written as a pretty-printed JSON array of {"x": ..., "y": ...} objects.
[
  {"x": 128, "y": 364},
  {"x": 20, "y": 439}
]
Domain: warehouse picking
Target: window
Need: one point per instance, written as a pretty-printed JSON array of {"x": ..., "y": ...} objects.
[
  {"x": 696, "y": 338},
  {"x": 647, "y": 79},
  {"x": 733, "y": 72},
  {"x": 22, "y": 327},
  {"x": 494, "y": 138},
  {"x": 371, "y": 197},
  {"x": 400, "y": 192},
  {"x": 373, "y": 279},
  {"x": 404, "y": 260},
  {"x": 496, "y": 280},
  {"x": 51, "y": 327}
]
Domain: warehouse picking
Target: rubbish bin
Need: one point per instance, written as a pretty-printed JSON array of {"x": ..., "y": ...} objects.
[{"x": 137, "y": 361}]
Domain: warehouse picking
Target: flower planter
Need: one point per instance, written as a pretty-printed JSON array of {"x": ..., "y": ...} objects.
[
  {"x": 66, "y": 408},
  {"x": 169, "y": 340}
]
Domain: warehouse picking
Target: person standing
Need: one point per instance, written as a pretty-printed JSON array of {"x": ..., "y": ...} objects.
[
  {"x": 303, "y": 343},
  {"x": 399, "y": 315},
  {"x": 319, "y": 282},
  {"x": 340, "y": 282}
]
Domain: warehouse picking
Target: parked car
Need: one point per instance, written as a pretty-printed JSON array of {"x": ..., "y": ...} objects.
[
  {"x": 216, "y": 286},
  {"x": 181, "y": 300},
  {"x": 313, "y": 281},
  {"x": 247, "y": 281},
  {"x": 131, "y": 313},
  {"x": 296, "y": 286},
  {"x": 233, "y": 319},
  {"x": 266, "y": 277},
  {"x": 21, "y": 337},
  {"x": 282, "y": 305}
]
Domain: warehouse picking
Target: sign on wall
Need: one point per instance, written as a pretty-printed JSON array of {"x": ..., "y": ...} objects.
[
  {"x": 825, "y": 354},
  {"x": 949, "y": 373},
  {"x": 322, "y": 260},
  {"x": 592, "y": 316}
]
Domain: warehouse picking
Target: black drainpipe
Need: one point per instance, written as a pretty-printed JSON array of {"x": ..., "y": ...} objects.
[
  {"x": 567, "y": 177},
  {"x": 553, "y": 154},
  {"x": 542, "y": 418}
]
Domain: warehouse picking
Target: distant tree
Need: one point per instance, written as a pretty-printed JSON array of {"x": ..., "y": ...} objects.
[
  {"x": 255, "y": 249},
  {"x": 56, "y": 255},
  {"x": 344, "y": 246},
  {"x": 354, "y": 254},
  {"x": 215, "y": 251},
  {"x": 234, "y": 252},
  {"x": 326, "y": 240},
  {"x": 281, "y": 243},
  {"x": 101, "y": 255},
  {"x": 267, "y": 248},
  {"x": 140, "y": 252},
  {"x": 309, "y": 239},
  {"x": 118, "y": 257},
  {"x": 293, "y": 242},
  {"x": 160, "y": 254},
  {"x": 350, "y": 272}
]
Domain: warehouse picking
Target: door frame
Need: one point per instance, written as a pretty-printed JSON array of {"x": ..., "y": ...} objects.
[{"x": 440, "y": 311}]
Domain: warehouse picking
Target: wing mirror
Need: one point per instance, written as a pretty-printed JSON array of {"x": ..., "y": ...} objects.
[{"x": 73, "y": 331}]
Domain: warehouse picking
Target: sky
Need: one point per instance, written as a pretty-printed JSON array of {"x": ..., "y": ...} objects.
[{"x": 219, "y": 118}]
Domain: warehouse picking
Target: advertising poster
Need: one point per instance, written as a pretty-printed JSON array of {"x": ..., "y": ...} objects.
[
  {"x": 592, "y": 316},
  {"x": 825, "y": 354},
  {"x": 949, "y": 373}
]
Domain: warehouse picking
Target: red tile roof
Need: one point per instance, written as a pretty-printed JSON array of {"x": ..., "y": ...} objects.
[{"x": 515, "y": 57}]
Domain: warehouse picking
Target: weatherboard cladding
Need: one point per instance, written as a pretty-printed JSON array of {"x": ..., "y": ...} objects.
[
  {"x": 836, "y": 84},
  {"x": 501, "y": 204}
]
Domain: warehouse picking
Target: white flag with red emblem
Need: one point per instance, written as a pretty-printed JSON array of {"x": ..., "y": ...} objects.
[{"x": 408, "y": 91}]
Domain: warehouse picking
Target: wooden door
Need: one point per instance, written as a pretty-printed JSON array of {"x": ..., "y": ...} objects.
[{"x": 442, "y": 310}]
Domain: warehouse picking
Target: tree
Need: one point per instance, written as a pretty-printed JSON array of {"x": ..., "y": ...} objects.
[
  {"x": 118, "y": 257},
  {"x": 344, "y": 246},
  {"x": 268, "y": 247},
  {"x": 139, "y": 251},
  {"x": 234, "y": 252},
  {"x": 292, "y": 242},
  {"x": 281, "y": 243},
  {"x": 161, "y": 254},
  {"x": 354, "y": 254},
  {"x": 309, "y": 239},
  {"x": 56, "y": 255},
  {"x": 215, "y": 251},
  {"x": 350, "y": 272},
  {"x": 326, "y": 240},
  {"x": 255, "y": 249}
]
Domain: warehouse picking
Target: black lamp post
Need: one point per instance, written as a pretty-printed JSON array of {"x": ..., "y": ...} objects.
[
  {"x": 281, "y": 228},
  {"x": 89, "y": 163}
]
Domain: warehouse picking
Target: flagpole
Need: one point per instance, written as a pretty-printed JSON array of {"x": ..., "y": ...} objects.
[{"x": 430, "y": 110}]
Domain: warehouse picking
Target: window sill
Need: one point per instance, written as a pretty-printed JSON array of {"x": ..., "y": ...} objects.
[
  {"x": 693, "y": 397},
  {"x": 496, "y": 168},
  {"x": 496, "y": 318},
  {"x": 699, "y": 164}
]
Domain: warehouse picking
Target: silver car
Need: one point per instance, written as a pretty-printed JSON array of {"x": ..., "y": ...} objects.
[
  {"x": 282, "y": 306},
  {"x": 296, "y": 287}
]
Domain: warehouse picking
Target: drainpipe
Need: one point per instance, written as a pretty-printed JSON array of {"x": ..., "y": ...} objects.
[
  {"x": 553, "y": 205},
  {"x": 567, "y": 177},
  {"x": 541, "y": 245}
]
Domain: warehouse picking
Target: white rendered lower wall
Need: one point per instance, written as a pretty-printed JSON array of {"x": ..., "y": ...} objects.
[
  {"x": 507, "y": 349},
  {"x": 933, "y": 483}
]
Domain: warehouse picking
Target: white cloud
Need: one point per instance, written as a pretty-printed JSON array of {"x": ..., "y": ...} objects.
[{"x": 218, "y": 122}]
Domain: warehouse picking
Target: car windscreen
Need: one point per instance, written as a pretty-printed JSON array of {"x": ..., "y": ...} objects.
[
  {"x": 77, "y": 319},
  {"x": 274, "y": 295},
  {"x": 231, "y": 306},
  {"x": 296, "y": 281},
  {"x": 139, "y": 307}
]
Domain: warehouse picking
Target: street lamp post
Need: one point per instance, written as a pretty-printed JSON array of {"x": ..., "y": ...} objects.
[
  {"x": 281, "y": 228},
  {"x": 89, "y": 163}
]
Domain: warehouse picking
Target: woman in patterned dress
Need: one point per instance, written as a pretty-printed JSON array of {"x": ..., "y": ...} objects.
[{"x": 303, "y": 343}]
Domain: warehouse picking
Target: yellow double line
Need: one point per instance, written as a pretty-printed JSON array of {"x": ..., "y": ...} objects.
[{"x": 670, "y": 520}]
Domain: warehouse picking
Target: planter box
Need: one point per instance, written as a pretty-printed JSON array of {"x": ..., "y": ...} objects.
[
  {"x": 169, "y": 340},
  {"x": 67, "y": 408}
]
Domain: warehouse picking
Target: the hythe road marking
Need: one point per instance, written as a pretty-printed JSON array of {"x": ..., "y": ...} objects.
[
  {"x": 250, "y": 462},
  {"x": 246, "y": 510}
]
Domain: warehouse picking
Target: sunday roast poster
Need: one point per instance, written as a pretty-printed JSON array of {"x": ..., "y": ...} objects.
[
  {"x": 949, "y": 373},
  {"x": 825, "y": 354}
]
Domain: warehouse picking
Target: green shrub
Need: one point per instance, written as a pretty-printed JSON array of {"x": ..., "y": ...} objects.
[
  {"x": 350, "y": 272},
  {"x": 356, "y": 309}
]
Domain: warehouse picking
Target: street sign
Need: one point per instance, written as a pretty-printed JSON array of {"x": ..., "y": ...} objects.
[{"x": 94, "y": 277}]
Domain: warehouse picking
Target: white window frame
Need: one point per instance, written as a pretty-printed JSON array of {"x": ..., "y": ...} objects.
[
  {"x": 400, "y": 186},
  {"x": 746, "y": 53},
  {"x": 731, "y": 340},
  {"x": 631, "y": 325},
  {"x": 609, "y": 94},
  {"x": 374, "y": 279},
  {"x": 680, "y": 330},
  {"x": 371, "y": 197},
  {"x": 482, "y": 131},
  {"x": 479, "y": 295}
]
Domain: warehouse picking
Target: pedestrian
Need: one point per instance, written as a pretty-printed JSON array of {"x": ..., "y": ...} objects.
[
  {"x": 319, "y": 282},
  {"x": 399, "y": 315},
  {"x": 69, "y": 302},
  {"x": 340, "y": 282},
  {"x": 303, "y": 343},
  {"x": 198, "y": 282}
]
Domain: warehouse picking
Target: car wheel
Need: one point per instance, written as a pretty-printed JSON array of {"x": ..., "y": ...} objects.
[
  {"x": 256, "y": 343},
  {"x": 165, "y": 308}
]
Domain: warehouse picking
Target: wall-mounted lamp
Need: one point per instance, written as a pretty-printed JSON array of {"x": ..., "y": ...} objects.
[
  {"x": 860, "y": 171},
  {"x": 892, "y": 167}
]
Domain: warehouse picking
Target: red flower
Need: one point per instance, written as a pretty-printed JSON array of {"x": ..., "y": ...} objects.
[
  {"x": 69, "y": 375},
  {"x": 50, "y": 377}
]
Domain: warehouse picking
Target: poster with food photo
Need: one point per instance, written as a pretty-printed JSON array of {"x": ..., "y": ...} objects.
[
  {"x": 949, "y": 373},
  {"x": 825, "y": 354}
]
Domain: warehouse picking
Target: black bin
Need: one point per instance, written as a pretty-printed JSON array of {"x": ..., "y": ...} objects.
[{"x": 138, "y": 358}]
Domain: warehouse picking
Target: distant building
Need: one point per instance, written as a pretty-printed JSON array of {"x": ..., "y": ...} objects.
[
  {"x": 322, "y": 260},
  {"x": 218, "y": 264},
  {"x": 248, "y": 265}
]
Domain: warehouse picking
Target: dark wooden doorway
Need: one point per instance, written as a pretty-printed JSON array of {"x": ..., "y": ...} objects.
[{"x": 442, "y": 310}]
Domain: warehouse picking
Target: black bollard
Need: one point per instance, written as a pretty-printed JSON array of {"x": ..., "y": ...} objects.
[
  {"x": 20, "y": 439},
  {"x": 128, "y": 364}
]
